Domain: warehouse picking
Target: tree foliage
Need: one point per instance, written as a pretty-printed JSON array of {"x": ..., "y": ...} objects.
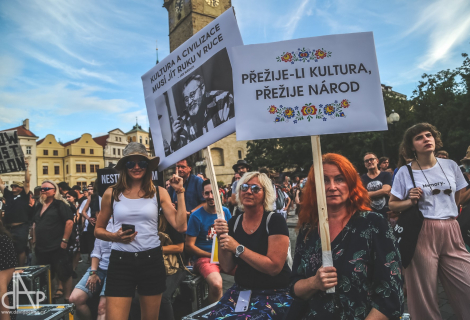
[{"x": 441, "y": 99}]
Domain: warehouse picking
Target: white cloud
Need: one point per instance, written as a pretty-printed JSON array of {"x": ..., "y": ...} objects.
[
  {"x": 295, "y": 17},
  {"x": 11, "y": 68}
]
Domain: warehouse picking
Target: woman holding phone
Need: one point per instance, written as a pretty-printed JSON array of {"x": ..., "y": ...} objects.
[{"x": 136, "y": 258}]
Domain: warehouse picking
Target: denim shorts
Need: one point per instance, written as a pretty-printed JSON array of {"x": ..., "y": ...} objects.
[
  {"x": 82, "y": 283},
  {"x": 128, "y": 270}
]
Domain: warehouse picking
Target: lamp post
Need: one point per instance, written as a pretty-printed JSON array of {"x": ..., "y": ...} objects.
[{"x": 391, "y": 119}]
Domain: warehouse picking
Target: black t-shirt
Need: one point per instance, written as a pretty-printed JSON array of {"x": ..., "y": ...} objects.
[
  {"x": 378, "y": 204},
  {"x": 248, "y": 277},
  {"x": 17, "y": 208},
  {"x": 51, "y": 225}
]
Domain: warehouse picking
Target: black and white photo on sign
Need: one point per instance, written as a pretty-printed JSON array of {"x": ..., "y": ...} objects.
[{"x": 197, "y": 104}]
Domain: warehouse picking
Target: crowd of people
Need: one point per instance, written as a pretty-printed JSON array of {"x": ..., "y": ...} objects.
[{"x": 141, "y": 238}]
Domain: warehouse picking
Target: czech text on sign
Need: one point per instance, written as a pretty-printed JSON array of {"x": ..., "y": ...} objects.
[
  {"x": 189, "y": 94},
  {"x": 310, "y": 86},
  {"x": 11, "y": 154}
]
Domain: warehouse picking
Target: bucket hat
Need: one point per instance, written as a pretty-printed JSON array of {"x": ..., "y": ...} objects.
[
  {"x": 136, "y": 149},
  {"x": 241, "y": 163}
]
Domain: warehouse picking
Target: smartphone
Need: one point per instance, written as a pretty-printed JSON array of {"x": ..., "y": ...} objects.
[
  {"x": 243, "y": 301},
  {"x": 128, "y": 227}
]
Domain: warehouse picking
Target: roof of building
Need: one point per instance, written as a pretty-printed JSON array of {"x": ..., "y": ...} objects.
[
  {"x": 40, "y": 141},
  {"x": 101, "y": 140},
  {"x": 136, "y": 128},
  {"x": 22, "y": 131},
  {"x": 70, "y": 142}
]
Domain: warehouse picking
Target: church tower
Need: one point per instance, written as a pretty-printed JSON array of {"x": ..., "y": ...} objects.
[{"x": 186, "y": 17}]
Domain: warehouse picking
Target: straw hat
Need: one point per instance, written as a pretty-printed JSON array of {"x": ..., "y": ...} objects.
[
  {"x": 136, "y": 149},
  {"x": 467, "y": 156},
  {"x": 18, "y": 183}
]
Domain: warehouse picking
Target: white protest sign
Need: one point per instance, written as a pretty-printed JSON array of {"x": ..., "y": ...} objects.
[
  {"x": 11, "y": 154},
  {"x": 189, "y": 94},
  {"x": 310, "y": 86}
]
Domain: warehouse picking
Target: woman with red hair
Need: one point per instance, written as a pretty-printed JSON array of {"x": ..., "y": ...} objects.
[{"x": 366, "y": 264}]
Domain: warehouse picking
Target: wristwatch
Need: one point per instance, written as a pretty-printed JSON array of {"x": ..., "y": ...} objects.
[
  {"x": 65, "y": 240},
  {"x": 239, "y": 250}
]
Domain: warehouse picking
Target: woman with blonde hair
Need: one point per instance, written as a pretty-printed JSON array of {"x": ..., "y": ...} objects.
[
  {"x": 366, "y": 271},
  {"x": 136, "y": 258},
  {"x": 53, "y": 223},
  {"x": 256, "y": 243}
]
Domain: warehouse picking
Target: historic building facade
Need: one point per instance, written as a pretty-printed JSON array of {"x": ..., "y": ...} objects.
[
  {"x": 50, "y": 160},
  {"x": 113, "y": 145}
]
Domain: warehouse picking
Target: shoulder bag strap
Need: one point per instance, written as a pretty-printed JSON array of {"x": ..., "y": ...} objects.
[
  {"x": 267, "y": 221},
  {"x": 411, "y": 175},
  {"x": 160, "y": 210},
  {"x": 236, "y": 223}
]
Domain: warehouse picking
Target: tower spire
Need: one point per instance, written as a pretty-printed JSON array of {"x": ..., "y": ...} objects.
[{"x": 157, "y": 51}]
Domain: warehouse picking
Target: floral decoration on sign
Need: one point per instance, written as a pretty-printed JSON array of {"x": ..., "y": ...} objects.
[
  {"x": 304, "y": 55},
  {"x": 309, "y": 112}
]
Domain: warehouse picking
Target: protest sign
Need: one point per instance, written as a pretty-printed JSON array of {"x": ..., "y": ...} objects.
[
  {"x": 11, "y": 154},
  {"x": 189, "y": 94},
  {"x": 310, "y": 86},
  {"x": 106, "y": 178}
]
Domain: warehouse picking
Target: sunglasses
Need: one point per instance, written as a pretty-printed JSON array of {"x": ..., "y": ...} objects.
[
  {"x": 46, "y": 189},
  {"x": 142, "y": 164},
  {"x": 14, "y": 186},
  {"x": 369, "y": 160},
  {"x": 254, "y": 188},
  {"x": 437, "y": 191}
]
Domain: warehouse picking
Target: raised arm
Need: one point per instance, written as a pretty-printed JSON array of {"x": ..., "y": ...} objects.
[
  {"x": 176, "y": 218},
  {"x": 2, "y": 185},
  {"x": 27, "y": 177}
]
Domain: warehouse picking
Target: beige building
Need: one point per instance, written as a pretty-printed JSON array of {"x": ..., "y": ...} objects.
[
  {"x": 83, "y": 157},
  {"x": 50, "y": 160},
  {"x": 137, "y": 134},
  {"x": 113, "y": 145},
  {"x": 28, "y": 145},
  {"x": 186, "y": 18}
]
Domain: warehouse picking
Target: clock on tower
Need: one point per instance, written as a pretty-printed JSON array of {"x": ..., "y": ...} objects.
[{"x": 186, "y": 17}]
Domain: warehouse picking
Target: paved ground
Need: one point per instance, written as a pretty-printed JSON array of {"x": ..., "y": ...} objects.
[{"x": 446, "y": 310}]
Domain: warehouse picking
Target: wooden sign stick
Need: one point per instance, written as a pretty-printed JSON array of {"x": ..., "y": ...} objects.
[
  {"x": 215, "y": 188},
  {"x": 327, "y": 257}
]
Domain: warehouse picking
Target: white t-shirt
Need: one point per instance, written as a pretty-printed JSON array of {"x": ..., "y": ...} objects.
[
  {"x": 80, "y": 210},
  {"x": 440, "y": 206}
]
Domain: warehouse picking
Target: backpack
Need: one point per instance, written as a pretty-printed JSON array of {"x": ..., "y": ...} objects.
[
  {"x": 280, "y": 198},
  {"x": 289, "y": 254}
]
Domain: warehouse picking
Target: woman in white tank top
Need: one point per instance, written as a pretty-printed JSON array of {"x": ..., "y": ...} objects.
[{"x": 136, "y": 259}]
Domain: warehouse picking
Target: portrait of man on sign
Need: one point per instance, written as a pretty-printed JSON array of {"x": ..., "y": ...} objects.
[{"x": 198, "y": 103}]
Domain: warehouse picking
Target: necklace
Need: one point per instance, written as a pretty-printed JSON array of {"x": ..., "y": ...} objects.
[
  {"x": 251, "y": 230},
  {"x": 437, "y": 191}
]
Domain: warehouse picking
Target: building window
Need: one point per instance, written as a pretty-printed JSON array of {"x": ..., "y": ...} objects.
[
  {"x": 56, "y": 170},
  {"x": 45, "y": 152},
  {"x": 217, "y": 156},
  {"x": 119, "y": 152},
  {"x": 83, "y": 151},
  {"x": 68, "y": 151},
  {"x": 119, "y": 139},
  {"x": 239, "y": 154},
  {"x": 55, "y": 152},
  {"x": 92, "y": 168},
  {"x": 78, "y": 168},
  {"x": 97, "y": 166},
  {"x": 83, "y": 167},
  {"x": 45, "y": 170},
  {"x": 28, "y": 150},
  {"x": 81, "y": 184},
  {"x": 67, "y": 169},
  {"x": 133, "y": 139},
  {"x": 116, "y": 138},
  {"x": 114, "y": 151},
  {"x": 92, "y": 151},
  {"x": 140, "y": 139},
  {"x": 146, "y": 141}
]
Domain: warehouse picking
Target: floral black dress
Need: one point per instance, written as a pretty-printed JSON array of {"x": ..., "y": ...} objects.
[{"x": 368, "y": 264}]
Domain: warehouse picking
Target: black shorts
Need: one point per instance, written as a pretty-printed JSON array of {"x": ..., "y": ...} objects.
[
  {"x": 128, "y": 270},
  {"x": 87, "y": 242},
  {"x": 60, "y": 261},
  {"x": 20, "y": 234}
]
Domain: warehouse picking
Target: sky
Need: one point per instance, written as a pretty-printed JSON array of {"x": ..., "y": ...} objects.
[{"x": 75, "y": 66}]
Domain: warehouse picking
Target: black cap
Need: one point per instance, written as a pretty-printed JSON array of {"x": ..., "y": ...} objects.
[{"x": 77, "y": 188}]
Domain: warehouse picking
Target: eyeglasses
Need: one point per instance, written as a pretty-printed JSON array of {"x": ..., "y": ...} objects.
[
  {"x": 369, "y": 160},
  {"x": 181, "y": 167},
  {"x": 131, "y": 164},
  {"x": 437, "y": 191},
  {"x": 254, "y": 188},
  {"x": 14, "y": 186},
  {"x": 46, "y": 189},
  {"x": 192, "y": 94}
]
